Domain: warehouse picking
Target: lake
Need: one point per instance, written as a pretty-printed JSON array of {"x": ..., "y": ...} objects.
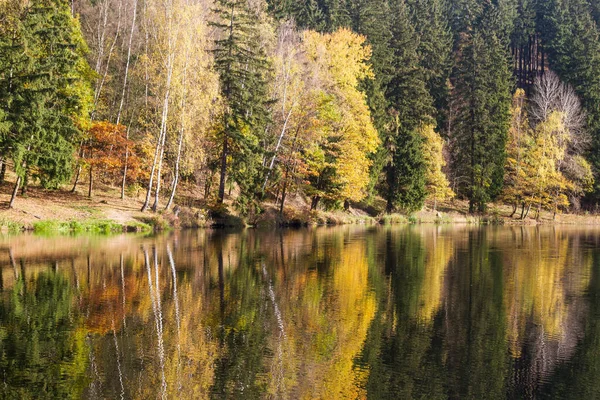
[{"x": 430, "y": 312}]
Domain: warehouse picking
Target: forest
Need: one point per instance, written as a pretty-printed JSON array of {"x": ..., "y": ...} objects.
[{"x": 336, "y": 102}]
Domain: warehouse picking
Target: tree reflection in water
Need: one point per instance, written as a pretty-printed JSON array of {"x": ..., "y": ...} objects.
[{"x": 351, "y": 312}]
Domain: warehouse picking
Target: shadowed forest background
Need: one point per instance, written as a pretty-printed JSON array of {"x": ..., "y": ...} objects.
[{"x": 297, "y": 105}]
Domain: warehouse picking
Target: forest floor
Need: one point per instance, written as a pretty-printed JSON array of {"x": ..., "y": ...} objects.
[{"x": 43, "y": 210}]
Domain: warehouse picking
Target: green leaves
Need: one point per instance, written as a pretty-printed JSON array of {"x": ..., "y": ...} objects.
[{"x": 45, "y": 84}]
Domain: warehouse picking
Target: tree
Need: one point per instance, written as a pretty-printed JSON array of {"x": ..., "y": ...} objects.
[
  {"x": 104, "y": 153},
  {"x": 519, "y": 169},
  {"x": 436, "y": 183},
  {"x": 411, "y": 105},
  {"x": 164, "y": 52},
  {"x": 431, "y": 22},
  {"x": 572, "y": 40},
  {"x": 482, "y": 95},
  {"x": 241, "y": 66},
  {"x": 338, "y": 160},
  {"x": 561, "y": 138},
  {"x": 46, "y": 91}
]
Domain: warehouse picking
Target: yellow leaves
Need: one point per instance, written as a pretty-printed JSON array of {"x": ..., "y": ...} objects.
[
  {"x": 344, "y": 52},
  {"x": 339, "y": 62},
  {"x": 433, "y": 154}
]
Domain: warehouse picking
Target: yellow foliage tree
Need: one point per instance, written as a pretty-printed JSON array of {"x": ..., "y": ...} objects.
[
  {"x": 339, "y": 62},
  {"x": 438, "y": 186}
]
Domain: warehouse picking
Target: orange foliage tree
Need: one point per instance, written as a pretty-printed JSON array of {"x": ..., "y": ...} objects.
[{"x": 104, "y": 154}]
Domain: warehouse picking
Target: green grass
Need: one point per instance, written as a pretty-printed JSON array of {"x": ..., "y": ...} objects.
[
  {"x": 394, "y": 219},
  {"x": 101, "y": 227},
  {"x": 156, "y": 223},
  {"x": 10, "y": 226}
]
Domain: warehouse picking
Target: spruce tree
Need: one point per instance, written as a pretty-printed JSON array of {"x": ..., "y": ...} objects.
[
  {"x": 47, "y": 92},
  {"x": 411, "y": 106},
  {"x": 431, "y": 22},
  {"x": 242, "y": 67},
  {"x": 572, "y": 41},
  {"x": 482, "y": 97}
]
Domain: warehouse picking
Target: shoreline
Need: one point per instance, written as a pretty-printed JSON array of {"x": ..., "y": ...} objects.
[
  {"x": 64, "y": 212},
  {"x": 191, "y": 218}
]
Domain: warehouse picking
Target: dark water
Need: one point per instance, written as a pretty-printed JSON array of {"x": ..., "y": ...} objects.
[{"x": 410, "y": 312}]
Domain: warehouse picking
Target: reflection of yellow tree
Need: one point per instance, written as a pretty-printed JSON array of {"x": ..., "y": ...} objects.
[
  {"x": 539, "y": 282},
  {"x": 336, "y": 316},
  {"x": 440, "y": 249}
]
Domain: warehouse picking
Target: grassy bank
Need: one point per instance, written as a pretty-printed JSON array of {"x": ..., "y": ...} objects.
[{"x": 65, "y": 212}]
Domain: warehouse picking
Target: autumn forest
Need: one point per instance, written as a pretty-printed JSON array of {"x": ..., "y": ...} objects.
[{"x": 336, "y": 103}]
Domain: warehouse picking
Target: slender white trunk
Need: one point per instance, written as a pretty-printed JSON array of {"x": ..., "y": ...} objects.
[
  {"x": 126, "y": 74},
  {"x": 163, "y": 137},
  {"x": 181, "y": 134},
  {"x": 170, "y": 61},
  {"x": 285, "y": 124},
  {"x": 110, "y": 53}
]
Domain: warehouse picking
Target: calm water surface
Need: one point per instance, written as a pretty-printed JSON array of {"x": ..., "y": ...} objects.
[{"x": 343, "y": 313}]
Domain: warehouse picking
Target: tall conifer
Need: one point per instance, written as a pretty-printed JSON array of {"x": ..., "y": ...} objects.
[
  {"x": 241, "y": 65},
  {"x": 46, "y": 92}
]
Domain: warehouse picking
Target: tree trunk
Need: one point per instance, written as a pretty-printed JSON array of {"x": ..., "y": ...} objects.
[
  {"x": 126, "y": 74},
  {"x": 523, "y": 211},
  {"x": 159, "y": 172},
  {"x": 283, "y": 195},
  {"x": 25, "y": 183},
  {"x": 527, "y": 212},
  {"x": 315, "y": 202},
  {"x": 91, "y": 183},
  {"x": 164, "y": 130},
  {"x": 277, "y": 149},
  {"x": 76, "y": 179},
  {"x": 3, "y": 172},
  {"x": 123, "y": 96},
  {"x": 14, "y": 193},
  {"x": 223, "y": 171},
  {"x": 175, "y": 178},
  {"x": 160, "y": 145},
  {"x": 152, "y": 171},
  {"x": 124, "y": 180},
  {"x": 515, "y": 206},
  {"x": 181, "y": 133}
]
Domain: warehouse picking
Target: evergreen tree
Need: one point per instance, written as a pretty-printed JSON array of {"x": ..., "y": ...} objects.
[
  {"x": 411, "y": 106},
  {"x": 242, "y": 66},
  {"x": 46, "y": 92},
  {"x": 335, "y": 14},
  {"x": 430, "y": 19},
  {"x": 372, "y": 18},
  {"x": 482, "y": 99},
  {"x": 572, "y": 40}
]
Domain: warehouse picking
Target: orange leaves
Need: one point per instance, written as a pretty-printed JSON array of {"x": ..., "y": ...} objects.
[{"x": 106, "y": 149}]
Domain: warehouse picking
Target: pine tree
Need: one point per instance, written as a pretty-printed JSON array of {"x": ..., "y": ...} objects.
[
  {"x": 242, "y": 66},
  {"x": 335, "y": 14},
  {"x": 482, "y": 98},
  {"x": 47, "y": 90},
  {"x": 411, "y": 106},
  {"x": 572, "y": 40},
  {"x": 430, "y": 19}
]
